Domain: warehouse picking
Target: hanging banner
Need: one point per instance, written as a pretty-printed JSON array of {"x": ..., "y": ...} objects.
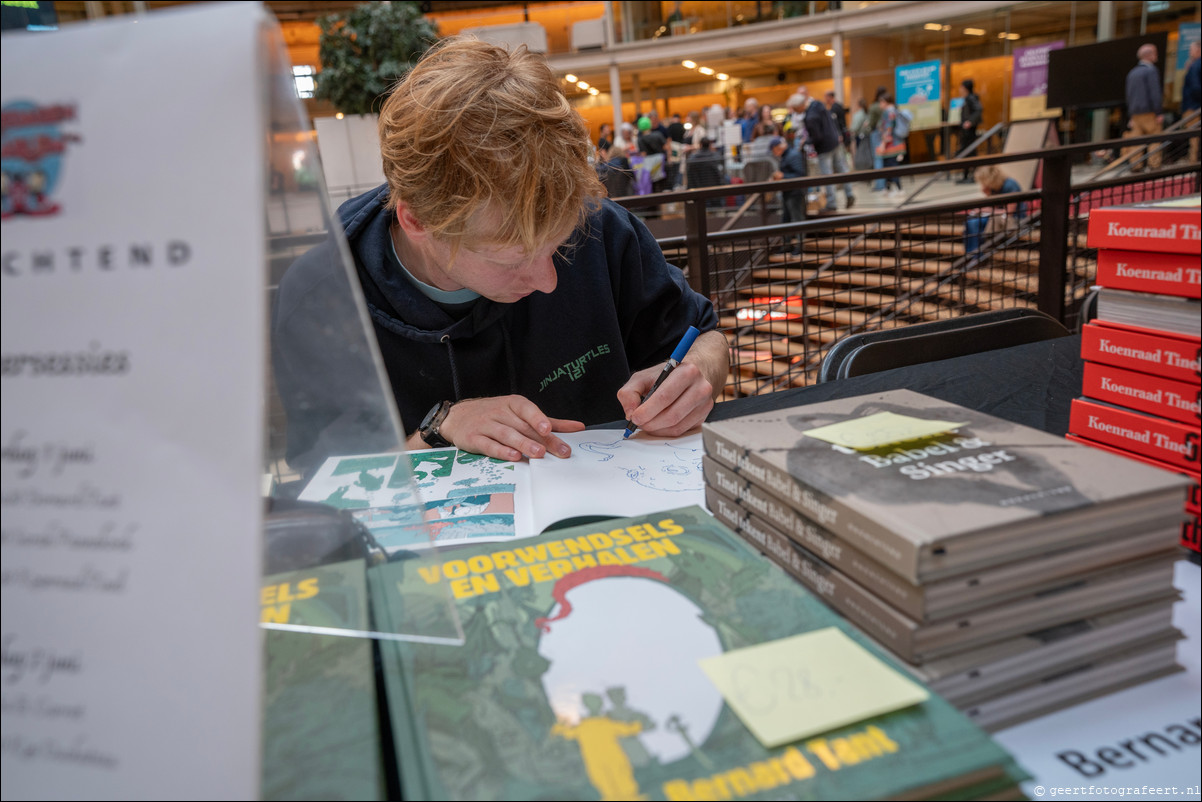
[
  {"x": 1029, "y": 84},
  {"x": 917, "y": 89},
  {"x": 132, "y": 427}
]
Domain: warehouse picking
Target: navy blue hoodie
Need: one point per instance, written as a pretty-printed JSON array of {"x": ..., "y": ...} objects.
[{"x": 618, "y": 307}]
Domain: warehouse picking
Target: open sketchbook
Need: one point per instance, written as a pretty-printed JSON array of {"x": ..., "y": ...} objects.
[{"x": 465, "y": 497}]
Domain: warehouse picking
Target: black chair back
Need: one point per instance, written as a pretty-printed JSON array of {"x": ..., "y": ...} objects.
[{"x": 874, "y": 351}]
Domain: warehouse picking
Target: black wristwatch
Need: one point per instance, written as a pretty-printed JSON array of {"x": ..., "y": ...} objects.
[{"x": 431, "y": 423}]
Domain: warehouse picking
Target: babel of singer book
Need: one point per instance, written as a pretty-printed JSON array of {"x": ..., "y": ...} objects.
[
  {"x": 1159, "y": 353},
  {"x": 1168, "y": 226},
  {"x": 731, "y": 499},
  {"x": 989, "y": 491},
  {"x": 1144, "y": 577}
]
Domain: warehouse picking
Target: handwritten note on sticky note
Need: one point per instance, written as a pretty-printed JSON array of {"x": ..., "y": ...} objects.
[
  {"x": 880, "y": 429},
  {"x": 807, "y": 684}
]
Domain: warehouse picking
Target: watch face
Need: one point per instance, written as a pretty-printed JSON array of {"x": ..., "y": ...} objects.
[
  {"x": 429, "y": 426},
  {"x": 430, "y": 416}
]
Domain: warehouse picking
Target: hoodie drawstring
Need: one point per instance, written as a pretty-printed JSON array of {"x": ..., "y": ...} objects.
[
  {"x": 509, "y": 363},
  {"x": 446, "y": 340}
]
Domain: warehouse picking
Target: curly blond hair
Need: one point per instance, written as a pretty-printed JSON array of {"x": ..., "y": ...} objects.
[
  {"x": 482, "y": 146},
  {"x": 990, "y": 177}
]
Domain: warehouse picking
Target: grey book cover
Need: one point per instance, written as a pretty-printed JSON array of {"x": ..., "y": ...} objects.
[{"x": 989, "y": 491}]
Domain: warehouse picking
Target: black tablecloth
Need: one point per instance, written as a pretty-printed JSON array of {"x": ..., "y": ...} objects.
[{"x": 1031, "y": 384}]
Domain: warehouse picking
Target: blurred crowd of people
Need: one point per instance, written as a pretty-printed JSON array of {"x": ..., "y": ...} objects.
[{"x": 806, "y": 136}]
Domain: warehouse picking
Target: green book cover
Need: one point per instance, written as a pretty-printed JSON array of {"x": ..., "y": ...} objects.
[
  {"x": 321, "y": 732},
  {"x": 578, "y": 676}
]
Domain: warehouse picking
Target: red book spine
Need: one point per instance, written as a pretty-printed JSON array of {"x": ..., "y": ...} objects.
[
  {"x": 1144, "y": 392},
  {"x": 1148, "y": 271},
  {"x": 1171, "y": 442},
  {"x": 1163, "y": 229},
  {"x": 1165, "y": 355}
]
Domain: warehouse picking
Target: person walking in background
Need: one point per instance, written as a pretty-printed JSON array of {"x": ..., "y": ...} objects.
[
  {"x": 653, "y": 146},
  {"x": 1191, "y": 93},
  {"x": 704, "y": 168},
  {"x": 676, "y": 130},
  {"x": 605, "y": 140},
  {"x": 971, "y": 116},
  {"x": 874, "y": 126},
  {"x": 796, "y": 104},
  {"x": 824, "y": 137},
  {"x": 1144, "y": 105},
  {"x": 792, "y": 165},
  {"x": 892, "y": 148},
  {"x": 861, "y": 137},
  {"x": 626, "y": 142},
  {"x": 696, "y": 133},
  {"x": 760, "y": 146},
  {"x": 751, "y": 110},
  {"x": 839, "y": 115}
]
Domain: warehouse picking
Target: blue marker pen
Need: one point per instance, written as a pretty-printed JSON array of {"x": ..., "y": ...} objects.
[{"x": 686, "y": 342}]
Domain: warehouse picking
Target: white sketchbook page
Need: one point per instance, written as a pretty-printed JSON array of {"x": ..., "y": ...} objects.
[{"x": 607, "y": 475}]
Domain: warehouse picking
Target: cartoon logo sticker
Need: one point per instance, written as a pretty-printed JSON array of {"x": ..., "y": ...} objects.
[{"x": 32, "y": 144}]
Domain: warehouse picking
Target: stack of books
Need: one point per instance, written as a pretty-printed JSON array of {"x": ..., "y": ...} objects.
[
  {"x": 1013, "y": 571},
  {"x": 587, "y": 665},
  {"x": 1141, "y": 380}
]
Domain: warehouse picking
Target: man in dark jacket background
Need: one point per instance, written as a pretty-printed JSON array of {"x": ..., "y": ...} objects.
[
  {"x": 824, "y": 136},
  {"x": 1144, "y": 105},
  {"x": 792, "y": 165},
  {"x": 972, "y": 114}
]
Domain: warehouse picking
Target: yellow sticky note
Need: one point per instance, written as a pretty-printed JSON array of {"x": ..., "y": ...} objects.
[
  {"x": 880, "y": 429},
  {"x": 795, "y": 687}
]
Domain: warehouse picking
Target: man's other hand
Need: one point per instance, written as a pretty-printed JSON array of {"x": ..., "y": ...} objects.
[{"x": 506, "y": 427}]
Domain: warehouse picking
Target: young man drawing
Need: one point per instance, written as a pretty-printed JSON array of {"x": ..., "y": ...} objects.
[{"x": 509, "y": 299}]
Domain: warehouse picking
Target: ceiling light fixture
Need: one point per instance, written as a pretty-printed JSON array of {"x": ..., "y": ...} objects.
[
  {"x": 722, "y": 76},
  {"x": 974, "y": 31},
  {"x": 594, "y": 90},
  {"x": 570, "y": 78},
  {"x": 692, "y": 65},
  {"x": 705, "y": 71},
  {"x": 582, "y": 84},
  {"x": 829, "y": 53},
  {"x": 932, "y": 26},
  {"x": 809, "y": 48}
]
